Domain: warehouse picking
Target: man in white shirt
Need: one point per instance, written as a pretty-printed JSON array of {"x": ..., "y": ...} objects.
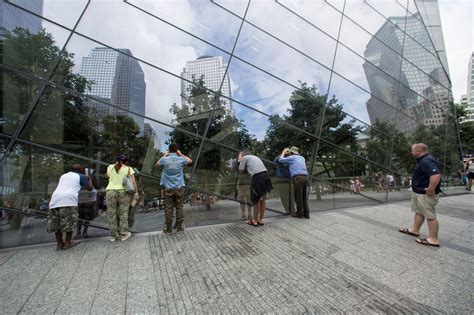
[{"x": 63, "y": 212}]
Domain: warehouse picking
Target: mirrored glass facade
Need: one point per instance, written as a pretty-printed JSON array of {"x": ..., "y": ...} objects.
[{"x": 351, "y": 83}]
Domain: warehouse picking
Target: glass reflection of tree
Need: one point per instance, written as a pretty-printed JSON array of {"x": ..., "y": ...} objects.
[
  {"x": 61, "y": 119},
  {"x": 305, "y": 112},
  {"x": 200, "y": 108}
]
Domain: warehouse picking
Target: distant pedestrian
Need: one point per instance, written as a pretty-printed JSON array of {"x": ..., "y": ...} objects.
[
  {"x": 425, "y": 195},
  {"x": 172, "y": 178},
  {"x": 299, "y": 174},
  {"x": 357, "y": 185},
  {"x": 118, "y": 201},
  {"x": 260, "y": 185},
  {"x": 63, "y": 211},
  {"x": 470, "y": 173}
]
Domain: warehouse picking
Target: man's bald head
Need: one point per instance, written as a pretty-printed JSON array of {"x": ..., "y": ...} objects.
[{"x": 419, "y": 149}]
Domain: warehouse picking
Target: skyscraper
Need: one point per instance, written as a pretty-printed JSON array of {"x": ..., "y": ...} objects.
[
  {"x": 117, "y": 79},
  {"x": 212, "y": 70},
  {"x": 470, "y": 89},
  {"x": 421, "y": 93},
  {"x": 11, "y": 17}
]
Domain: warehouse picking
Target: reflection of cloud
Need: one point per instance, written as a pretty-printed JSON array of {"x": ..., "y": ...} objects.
[{"x": 122, "y": 26}]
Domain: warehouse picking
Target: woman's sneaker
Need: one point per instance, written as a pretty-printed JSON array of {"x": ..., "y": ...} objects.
[{"x": 126, "y": 236}]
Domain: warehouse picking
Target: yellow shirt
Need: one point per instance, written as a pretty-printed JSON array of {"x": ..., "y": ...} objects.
[{"x": 116, "y": 179}]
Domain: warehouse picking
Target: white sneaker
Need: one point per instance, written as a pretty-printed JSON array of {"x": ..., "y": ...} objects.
[
  {"x": 126, "y": 236},
  {"x": 112, "y": 238}
]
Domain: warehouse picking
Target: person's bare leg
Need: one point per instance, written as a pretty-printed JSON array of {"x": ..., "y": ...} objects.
[
  {"x": 433, "y": 228},
  {"x": 59, "y": 240},
  {"x": 263, "y": 205},
  {"x": 417, "y": 223}
]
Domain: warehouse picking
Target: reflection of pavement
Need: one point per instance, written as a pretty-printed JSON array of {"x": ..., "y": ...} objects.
[
  {"x": 347, "y": 261},
  {"x": 225, "y": 211}
]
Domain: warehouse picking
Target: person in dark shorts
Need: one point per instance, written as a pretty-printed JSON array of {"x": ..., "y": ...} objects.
[{"x": 260, "y": 185}]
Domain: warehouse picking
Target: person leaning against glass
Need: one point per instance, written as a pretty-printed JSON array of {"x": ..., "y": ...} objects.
[{"x": 118, "y": 201}]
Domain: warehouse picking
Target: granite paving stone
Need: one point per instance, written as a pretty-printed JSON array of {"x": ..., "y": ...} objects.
[{"x": 350, "y": 261}]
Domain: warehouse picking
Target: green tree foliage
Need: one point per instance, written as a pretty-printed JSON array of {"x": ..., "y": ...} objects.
[
  {"x": 305, "y": 112},
  {"x": 193, "y": 116},
  {"x": 385, "y": 137},
  {"x": 121, "y": 135}
]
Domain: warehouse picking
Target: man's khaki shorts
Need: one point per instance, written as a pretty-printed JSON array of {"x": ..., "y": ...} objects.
[{"x": 424, "y": 205}]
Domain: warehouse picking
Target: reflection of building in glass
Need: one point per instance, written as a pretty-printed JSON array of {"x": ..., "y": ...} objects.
[
  {"x": 213, "y": 70},
  {"x": 470, "y": 88},
  {"x": 117, "y": 79},
  {"x": 11, "y": 17},
  {"x": 422, "y": 92}
]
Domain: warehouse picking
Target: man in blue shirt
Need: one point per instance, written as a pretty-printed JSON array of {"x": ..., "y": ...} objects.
[
  {"x": 299, "y": 174},
  {"x": 425, "y": 187},
  {"x": 285, "y": 186},
  {"x": 173, "y": 162}
]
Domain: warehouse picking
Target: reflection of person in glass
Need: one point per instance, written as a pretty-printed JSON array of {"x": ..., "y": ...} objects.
[
  {"x": 260, "y": 185},
  {"x": 118, "y": 201},
  {"x": 299, "y": 173},
  {"x": 63, "y": 212},
  {"x": 285, "y": 186},
  {"x": 243, "y": 191},
  {"x": 87, "y": 204},
  {"x": 172, "y": 178}
]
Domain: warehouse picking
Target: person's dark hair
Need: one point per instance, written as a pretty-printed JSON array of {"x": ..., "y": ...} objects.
[
  {"x": 173, "y": 148},
  {"x": 246, "y": 151},
  {"x": 77, "y": 168},
  {"x": 121, "y": 159}
]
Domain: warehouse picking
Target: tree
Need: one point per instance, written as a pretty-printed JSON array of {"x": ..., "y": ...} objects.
[
  {"x": 306, "y": 112},
  {"x": 385, "y": 138},
  {"x": 59, "y": 118},
  {"x": 193, "y": 116},
  {"x": 121, "y": 135}
]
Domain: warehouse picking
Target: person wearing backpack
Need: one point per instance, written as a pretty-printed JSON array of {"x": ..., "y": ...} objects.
[{"x": 118, "y": 200}]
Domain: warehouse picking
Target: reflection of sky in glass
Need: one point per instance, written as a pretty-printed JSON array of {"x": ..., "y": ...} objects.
[{"x": 165, "y": 46}]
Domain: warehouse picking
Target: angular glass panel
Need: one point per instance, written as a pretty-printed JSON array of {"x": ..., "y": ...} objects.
[
  {"x": 363, "y": 15},
  {"x": 147, "y": 38},
  {"x": 358, "y": 103},
  {"x": 114, "y": 77},
  {"x": 289, "y": 28},
  {"x": 67, "y": 122},
  {"x": 17, "y": 93},
  {"x": 30, "y": 44},
  {"x": 216, "y": 173},
  {"x": 389, "y": 8},
  {"x": 64, "y": 13},
  {"x": 338, "y": 4},
  {"x": 199, "y": 17},
  {"x": 237, "y": 7},
  {"x": 337, "y": 170},
  {"x": 258, "y": 89},
  {"x": 259, "y": 49},
  {"x": 3, "y": 146},
  {"x": 32, "y": 174},
  {"x": 326, "y": 18}
]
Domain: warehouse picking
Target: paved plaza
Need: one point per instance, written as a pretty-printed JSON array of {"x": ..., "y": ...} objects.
[{"x": 351, "y": 260}]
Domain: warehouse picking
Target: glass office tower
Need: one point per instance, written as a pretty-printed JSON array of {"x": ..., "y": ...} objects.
[{"x": 352, "y": 84}]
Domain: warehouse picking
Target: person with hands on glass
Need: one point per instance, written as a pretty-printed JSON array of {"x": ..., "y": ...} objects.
[
  {"x": 172, "y": 178},
  {"x": 299, "y": 175}
]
